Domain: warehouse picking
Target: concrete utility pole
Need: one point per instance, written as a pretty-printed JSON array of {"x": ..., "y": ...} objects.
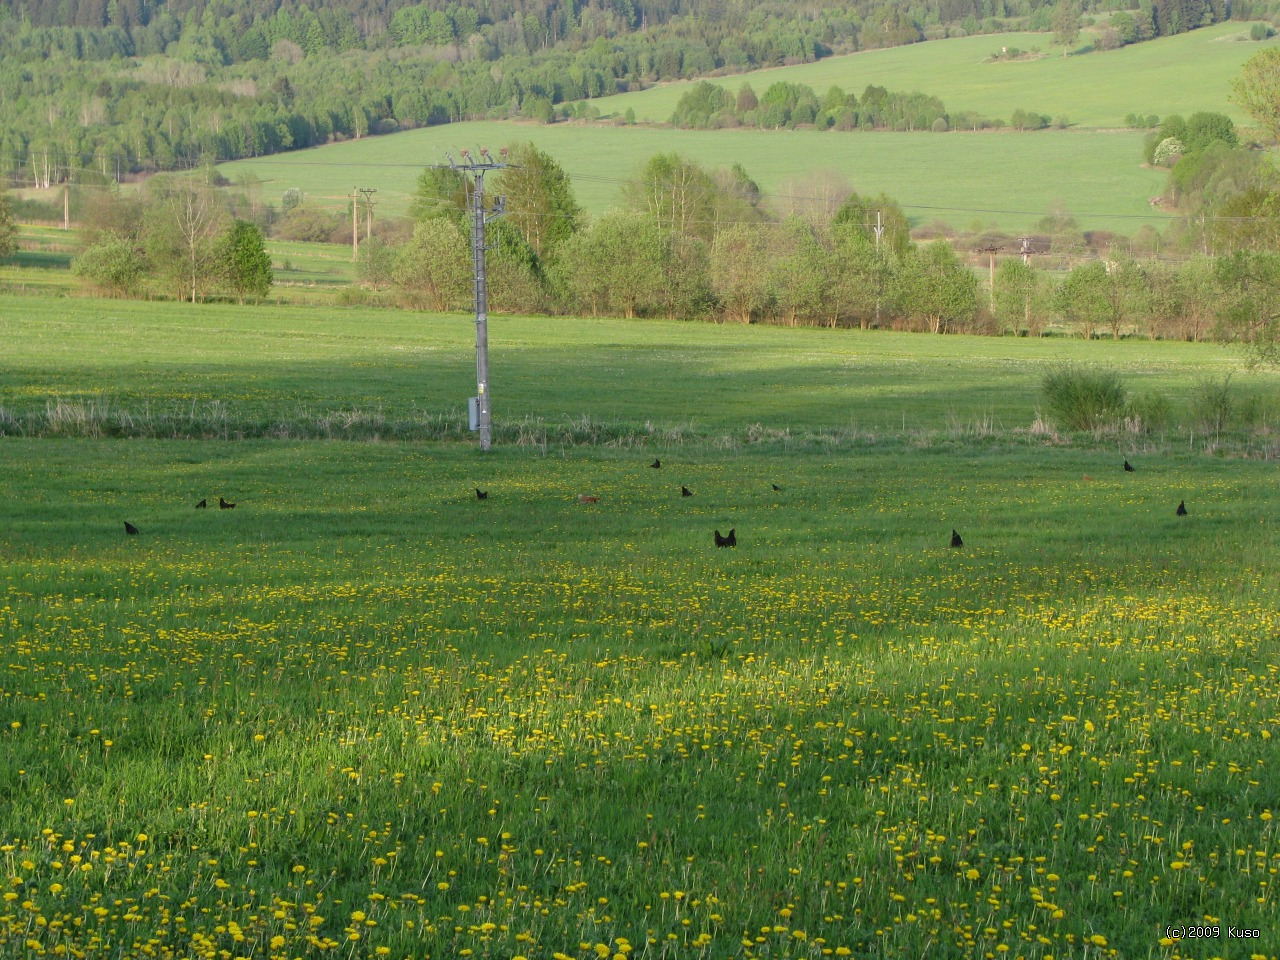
[
  {"x": 368, "y": 210},
  {"x": 477, "y": 169}
]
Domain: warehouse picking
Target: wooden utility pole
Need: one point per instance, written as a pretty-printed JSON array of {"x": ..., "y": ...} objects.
[
  {"x": 990, "y": 250},
  {"x": 355, "y": 223},
  {"x": 368, "y": 210},
  {"x": 66, "y": 205}
]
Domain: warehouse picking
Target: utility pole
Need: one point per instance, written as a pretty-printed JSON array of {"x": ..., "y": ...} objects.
[
  {"x": 879, "y": 229},
  {"x": 368, "y": 210},
  {"x": 1026, "y": 249},
  {"x": 990, "y": 250},
  {"x": 66, "y": 204},
  {"x": 355, "y": 223},
  {"x": 477, "y": 169}
]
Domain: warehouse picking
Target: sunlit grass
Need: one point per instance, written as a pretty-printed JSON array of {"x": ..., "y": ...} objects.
[
  {"x": 365, "y": 711},
  {"x": 365, "y": 714},
  {"x": 165, "y": 369}
]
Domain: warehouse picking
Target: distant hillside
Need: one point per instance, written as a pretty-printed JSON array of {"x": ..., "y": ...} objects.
[
  {"x": 1178, "y": 74},
  {"x": 121, "y": 85}
]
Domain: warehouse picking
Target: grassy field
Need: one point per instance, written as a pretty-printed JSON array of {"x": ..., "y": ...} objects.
[
  {"x": 42, "y": 264},
  {"x": 364, "y": 714},
  {"x": 317, "y": 269},
  {"x": 1180, "y": 74},
  {"x": 1007, "y": 180},
  {"x": 232, "y": 370},
  {"x": 304, "y": 272}
]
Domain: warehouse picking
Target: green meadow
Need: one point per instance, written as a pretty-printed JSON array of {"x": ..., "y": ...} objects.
[
  {"x": 303, "y": 272},
  {"x": 145, "y": 369},
  {"x": 1179, "y": 74},
  {"x": 1007, "y": 180},
  {"x": 1001, "y": 180},
  {"x": 366, "y": 714}
]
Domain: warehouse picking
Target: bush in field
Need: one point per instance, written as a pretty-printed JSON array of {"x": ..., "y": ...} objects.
[
  {"x": 1214, "y": 404},
  {"x": 243, "y": 261},
  {"x": 1080, "y": 399},
  {"x": 376, "y": 264},
  {"x": 312, "y": 225},
  {"x": 8, "y": 229},
  {"x": 1151, "y": 412},
  {"x": 112, "y": 265},
  {"x": 433, "y": 270}
]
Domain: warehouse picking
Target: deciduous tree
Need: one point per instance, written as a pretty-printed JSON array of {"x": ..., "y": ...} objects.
[
  {"x": 1257, "y": 91},
  {"x": 1066, "y": 24},
  {"x": 676, "y": 192},
  {"x": 738, "y": 255},
  {"x": 1082, "y": 298},
  {"x": 1249, "y": 282},
  {"x": 1022, "y": 298},
  {"x": 433, "y": 269},
  {"x": 616, "y": 265},
  {"x": 243, "y": 261},
  {"x": 8, "y": 229},
  {"x": 182, "y": 221},
  {"x": 934, "y": 287},
  {"x": 540, "y": 202}
]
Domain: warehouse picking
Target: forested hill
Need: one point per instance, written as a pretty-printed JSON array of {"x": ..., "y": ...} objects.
[{"x": 121, "y": 85}]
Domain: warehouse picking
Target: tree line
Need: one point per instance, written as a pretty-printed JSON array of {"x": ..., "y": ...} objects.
[
  {"x": 686, "y": 242},
  {"x": 790, "y": 105}
]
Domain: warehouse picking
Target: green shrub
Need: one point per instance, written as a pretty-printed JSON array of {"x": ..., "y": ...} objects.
[
  {"x": 1152, "y": 411},
  {"x": 111, "y": 265},
  {"x": 1214, "y": 405},
  {"x": 1080, "y": 399}
]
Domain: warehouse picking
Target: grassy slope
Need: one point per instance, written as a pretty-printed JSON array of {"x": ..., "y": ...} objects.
[
  {"x": 715, "y": 378},
  {"x": 1181, "y": 74},
  {"x": 1001, "y": 180},
  {"x": 365, "y": 696},
  {"x": 1009, "y": 180}
]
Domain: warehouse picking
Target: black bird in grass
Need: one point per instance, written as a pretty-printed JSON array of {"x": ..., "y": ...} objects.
[
  {"x": 656, "y": 464},
  {"x": 203, "y": 504},
  {"x": 685, "y": 491},
  {"x": 956, "y": 539},
  {"x": 1128, "y": 467},
  {"x": 223, "y": 505},
  {"x": 730, "y": 541},
  {"x": 130, "y": 529},
  {"x": 1182, "y": 508},
  {"x": 482, "y": 494},
  {"x": 776, "y": 488}
]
